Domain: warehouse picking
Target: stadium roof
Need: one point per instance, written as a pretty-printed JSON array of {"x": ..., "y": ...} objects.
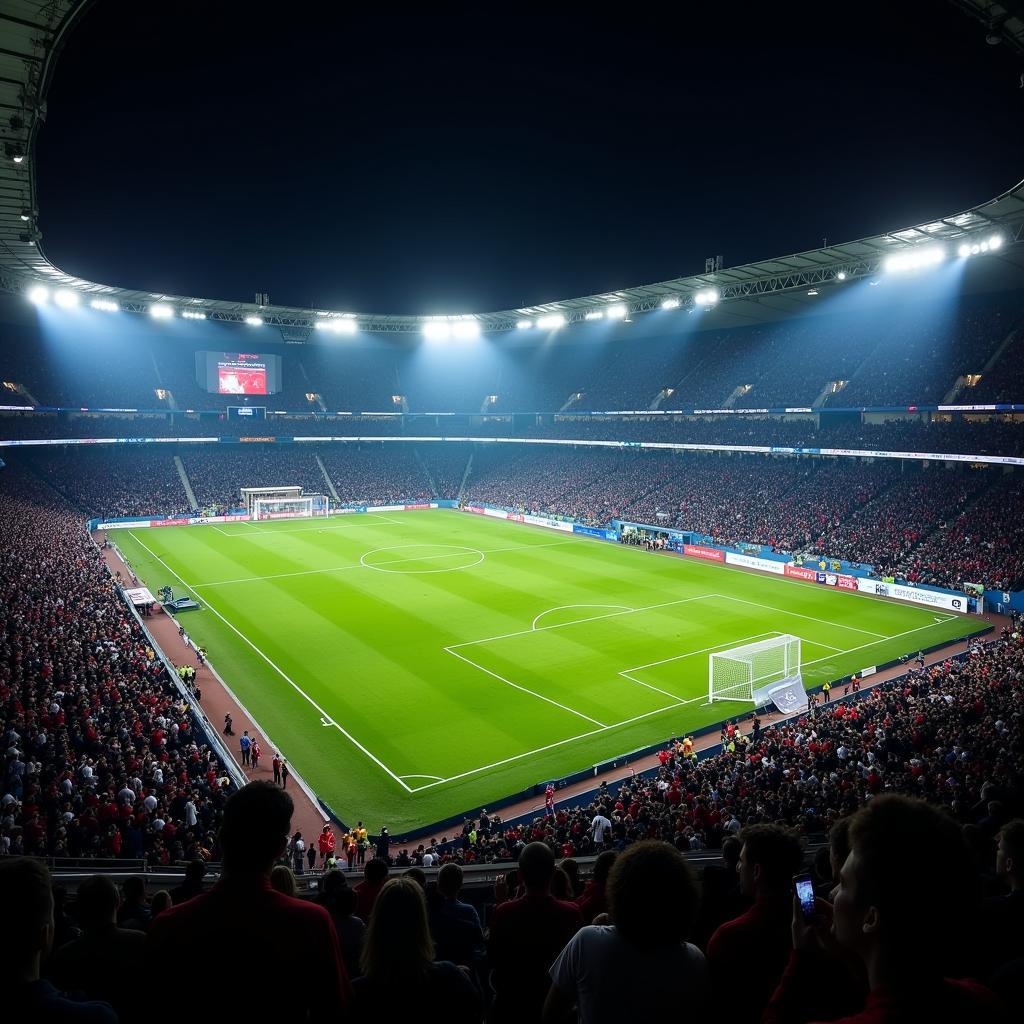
[{"x": 32, "y": 34}]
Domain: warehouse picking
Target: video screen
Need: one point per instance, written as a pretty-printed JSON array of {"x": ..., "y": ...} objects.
[
  {"x": 238, "y": 373},
  {"x": 242, "y": 376}
]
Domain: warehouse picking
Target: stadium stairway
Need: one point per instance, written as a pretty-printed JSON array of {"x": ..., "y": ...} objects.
[
  {"x": 327, "y": 478},
  {"x": 185, "y": 482},
  {"x": 465, "y": 475},
  {"x": 426, "y": 472}
]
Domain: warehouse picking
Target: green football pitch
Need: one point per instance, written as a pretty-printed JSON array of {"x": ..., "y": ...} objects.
[{"x": 412, "y": 665}]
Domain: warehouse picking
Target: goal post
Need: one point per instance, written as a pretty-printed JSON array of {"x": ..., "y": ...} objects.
[
  {"x": 750, "y": 672},
  {"x": 302, "y": 506}
]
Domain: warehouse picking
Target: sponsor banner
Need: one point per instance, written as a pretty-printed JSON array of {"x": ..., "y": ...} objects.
[
  {"x": 800, "y": 572},
  {"x": 409, "y": 508},
  {"x": 169, "y": 522},
  {"x": 870, "y": 671},
  {"x": 125, "y": 524},
  {"x": 750, "y": 562},
  {"x": 139, "y": 596},
  {"x": 904, "y": 592},
  {"x": 700, "y": 551},
  {"x": 516, "y": 517},
  {"x": 595, "y": 531},
  {"x": 385, "y": 508},
  {"x": 847, "y": 583},
  {"x": 551, "y": 524}
]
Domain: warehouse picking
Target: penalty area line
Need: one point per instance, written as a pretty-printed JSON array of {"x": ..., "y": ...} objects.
[
  {"x": 560, "y": 743},
  {"x": 325, "y": 718}
]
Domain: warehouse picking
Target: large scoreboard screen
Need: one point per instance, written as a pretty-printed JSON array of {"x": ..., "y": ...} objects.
[{"x": 238, "y": 373}]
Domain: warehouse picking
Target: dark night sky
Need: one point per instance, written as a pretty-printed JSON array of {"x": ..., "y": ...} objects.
[{"x": 425, "y": 165}]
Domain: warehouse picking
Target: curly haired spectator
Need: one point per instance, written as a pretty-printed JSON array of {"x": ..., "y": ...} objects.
[{"x": 653, "y": 898}]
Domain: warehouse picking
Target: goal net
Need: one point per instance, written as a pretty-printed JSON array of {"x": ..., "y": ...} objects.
[
  {"x": 751, "y": 672},
  {"x": 301, "y": 507}
]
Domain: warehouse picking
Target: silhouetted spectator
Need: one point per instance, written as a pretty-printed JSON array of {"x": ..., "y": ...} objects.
[{"x": 242, "y": 904}]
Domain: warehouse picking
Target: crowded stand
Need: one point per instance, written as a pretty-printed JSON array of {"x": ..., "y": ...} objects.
[
  {"x": 919, "y": 359},
  {"x": 102, "y": 757},
  {"x": 377, "y": 474},
  {"x": 984, "y": 544},
  {"x": 217, "y": 475},
  {"x": 903, "y": 519},
  {"x": 1005, "y": 379},
  {"x": 777, "y": 502},
  {"x": 882, "y": 532},
  {"x": 915, "y": 783},
  {"x": 110, "y": 482}
]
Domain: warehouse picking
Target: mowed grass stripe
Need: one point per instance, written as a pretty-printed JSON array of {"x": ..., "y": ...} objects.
[{"x": 368, "y": 646}]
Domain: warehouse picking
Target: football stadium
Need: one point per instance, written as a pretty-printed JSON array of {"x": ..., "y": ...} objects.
[{"x": 538, "y": 650}]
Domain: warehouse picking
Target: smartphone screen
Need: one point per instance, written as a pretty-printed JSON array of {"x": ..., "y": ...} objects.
[{"x": 804, "y": 888}]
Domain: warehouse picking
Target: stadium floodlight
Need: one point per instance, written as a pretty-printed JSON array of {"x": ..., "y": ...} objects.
[
  {"x": 437, "y": 330},
  {"x": 670, "y": 304},
  {"x": 66, "y": 299},
  {"x": 915, "y": 259},
  {"x": 466, "y": 330},
  {"x": 254, "y": 321},
  {"x": 594, "y": 314},
  {"x": 523, "y": 325},
  {"x": 337, "y": 326},
  {"x": 812, "y": 291},
  {"x": 964, "y": 251},
  {"x": 995, "y": 242},
  {"x": 551, "y": 321},
  {"x": 617, "y": 312},
  {"x": 161, "y": 311},
  {"x": 841, "y": 276},
  {"x": 39, "y": 295},
  {"x": 105, "y": 305},
  {"x": 191, "y": 314},
  {"x": 708, "y": 297}
]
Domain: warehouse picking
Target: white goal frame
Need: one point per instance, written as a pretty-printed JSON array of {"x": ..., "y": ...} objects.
[
  {"x": 304, "y": 506},
  {"x": 747, "y": 673}
]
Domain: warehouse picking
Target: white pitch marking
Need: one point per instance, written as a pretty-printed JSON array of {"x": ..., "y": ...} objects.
[
  {"x": 456, "y": 549},
  {"x": 800, "y": 615},
  {"x": 560, "y": 743},
  {"x": 421, "y": 776},
  {"x": 356, "y": 565},
  {"x": 728, "y": 643},
  {"x": 562, "y": 607},
  {"x": 295, "y": 686},
  {"x": 589, "y": 618},
  {"x": 874, "y": 643},
  {"x": 533, "y": 693}
]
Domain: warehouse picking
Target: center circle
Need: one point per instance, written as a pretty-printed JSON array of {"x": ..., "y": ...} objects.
[{"x": 421, "y": 558}]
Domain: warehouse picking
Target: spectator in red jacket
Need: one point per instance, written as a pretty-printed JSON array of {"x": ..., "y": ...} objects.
[
  {"x": 755, "y": 946},
  {"x": 527, "y": 934},
  {"x": 901, "y": 916},
  {"x": 326, "y": 842},
  {"x": 254, "y": 833}
]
